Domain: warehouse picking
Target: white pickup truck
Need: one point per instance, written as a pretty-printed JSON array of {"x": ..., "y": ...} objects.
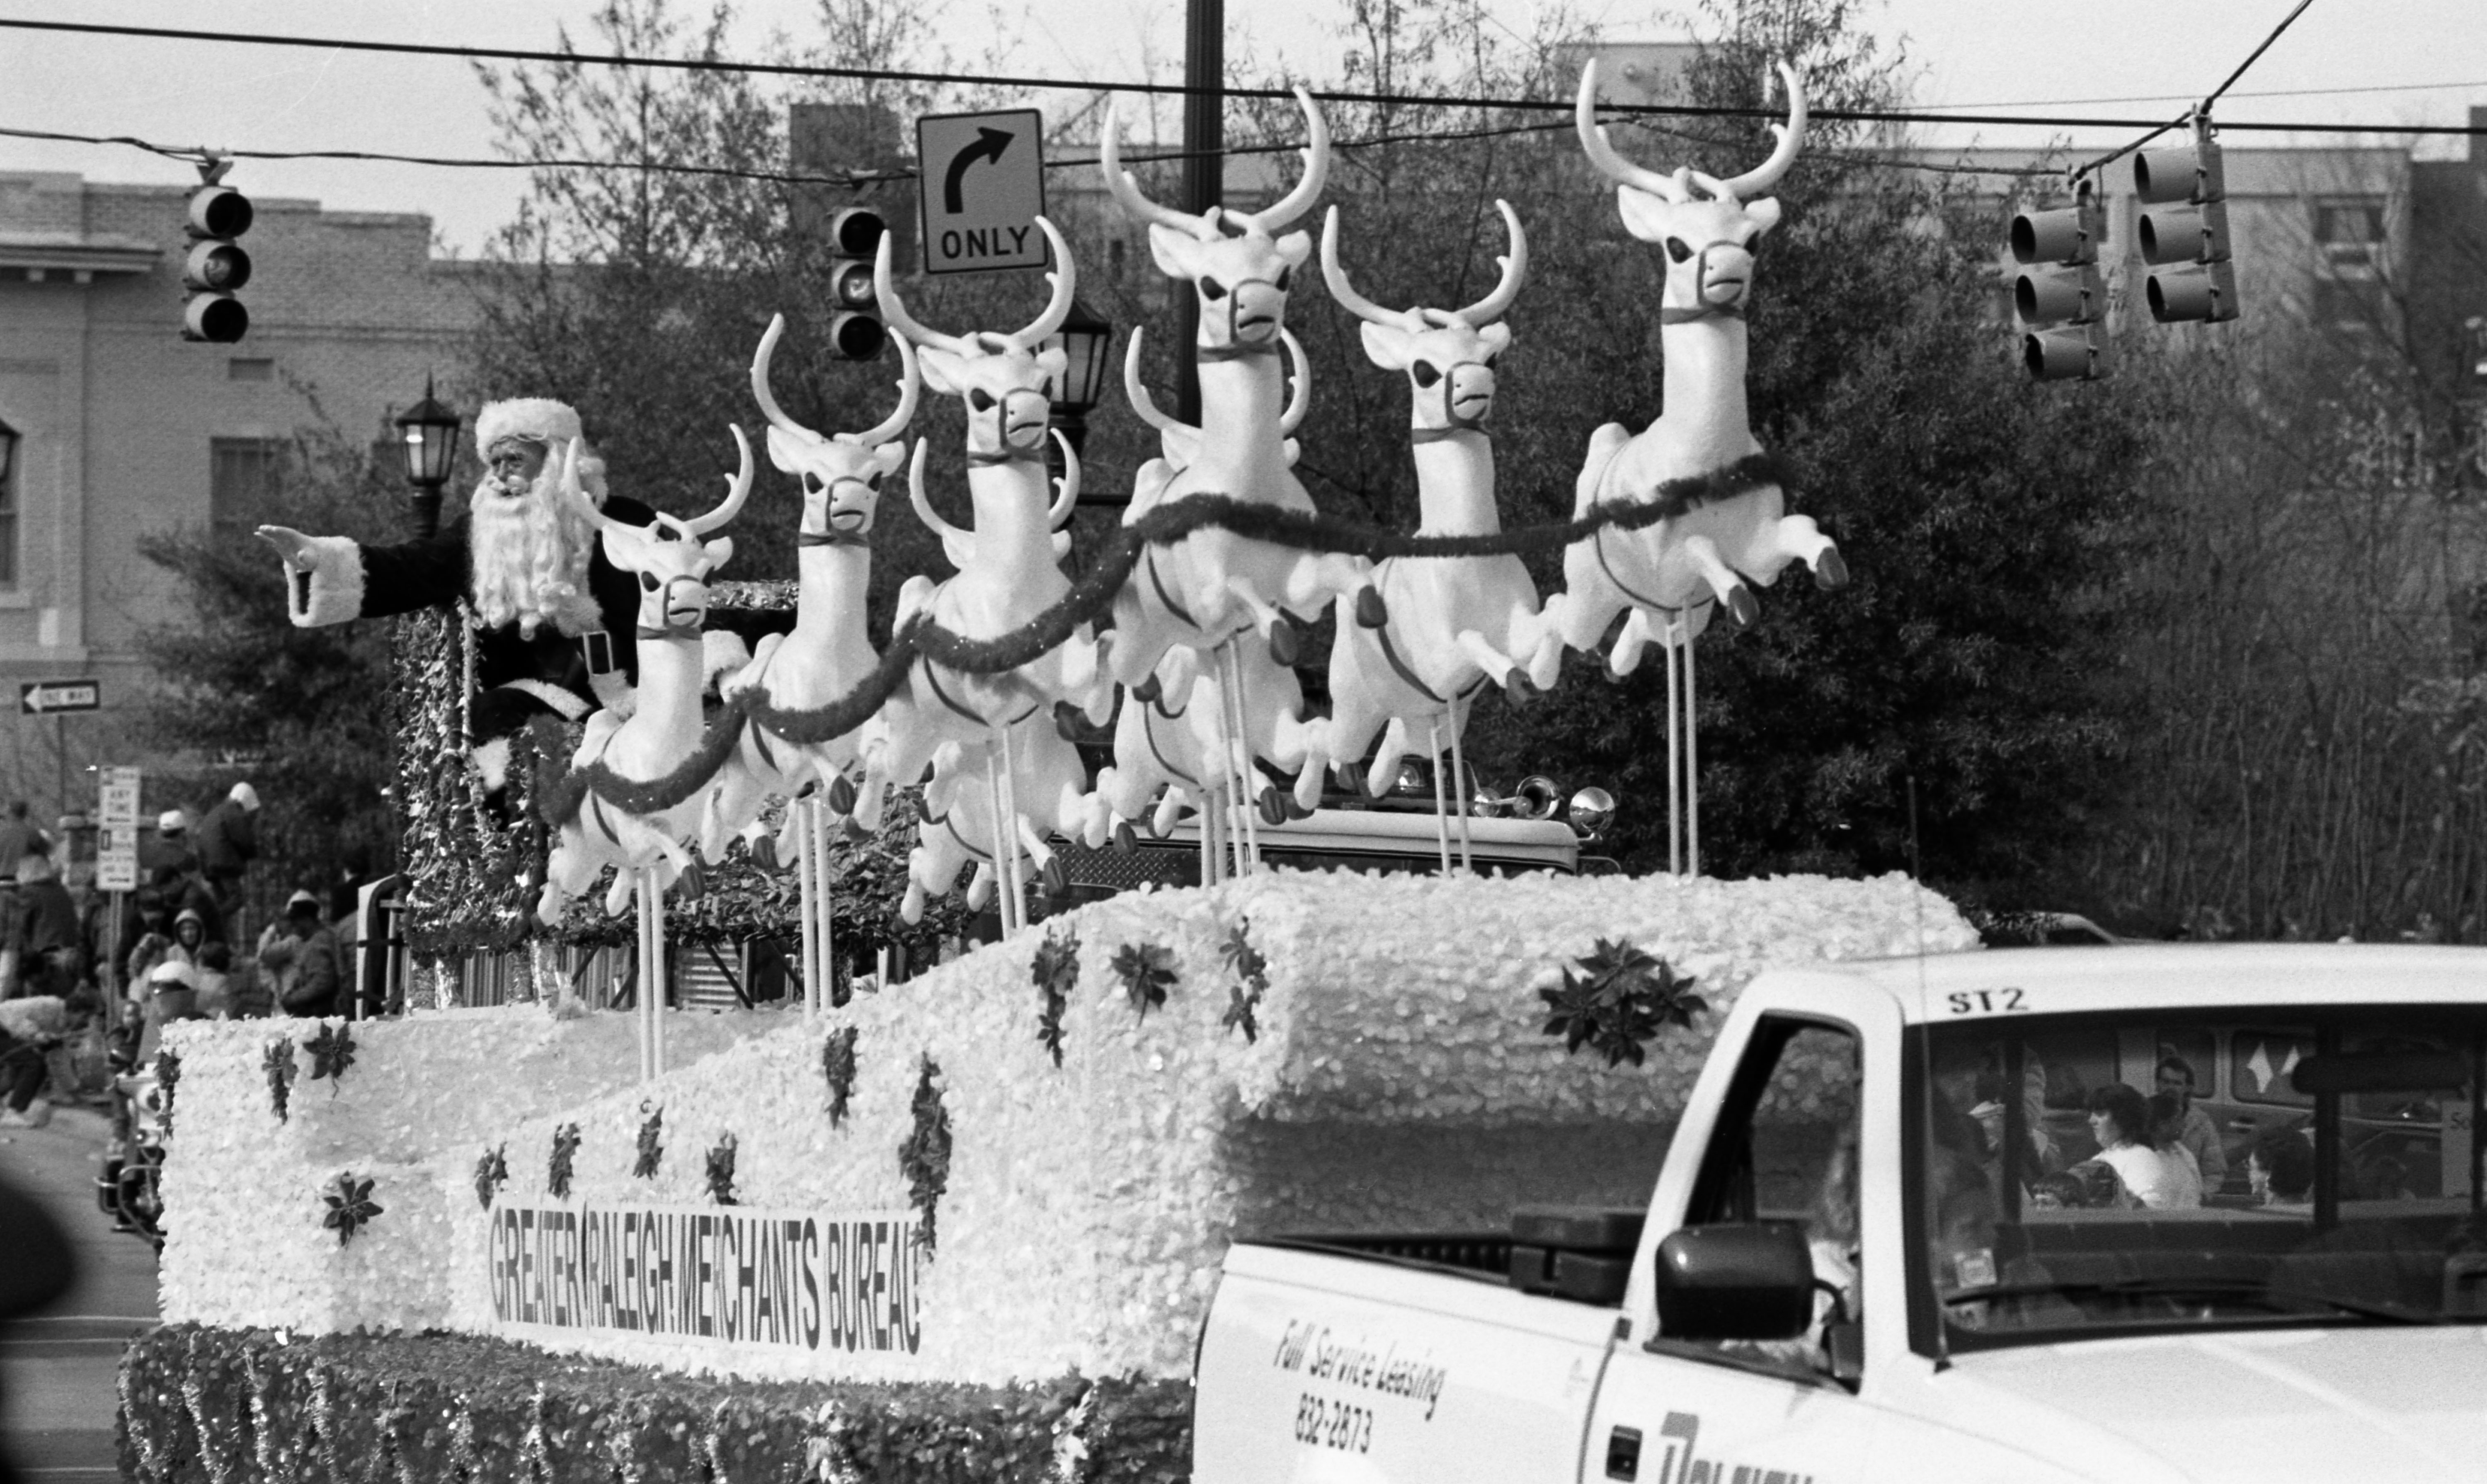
[{"x": 1901, "y": 1234}]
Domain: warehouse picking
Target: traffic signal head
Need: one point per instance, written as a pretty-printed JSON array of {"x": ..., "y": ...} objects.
[
  {"x": 216, "y": 267},
  {"x": 2058, "y": 295},
  {"x": 855, "y": 330},
  {"x": 2183, "y": 231}
]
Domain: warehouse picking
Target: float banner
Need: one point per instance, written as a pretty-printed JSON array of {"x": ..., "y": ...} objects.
[{"x": 799, "y": 1279}]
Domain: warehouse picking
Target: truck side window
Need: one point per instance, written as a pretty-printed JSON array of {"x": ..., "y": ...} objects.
[{"x": 1785, "y": 1148}]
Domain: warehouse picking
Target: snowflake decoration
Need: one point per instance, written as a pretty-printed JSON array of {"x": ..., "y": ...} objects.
[
  {"x": 332, "y": 1051},
  {"x": 652, "y": 1145},
  {"x": 1619, "y": 1002},
  {"x": 720, "y": 1171},
  {"x": 1147, "y": 972},
  {"x": 350, "y": 1206}
]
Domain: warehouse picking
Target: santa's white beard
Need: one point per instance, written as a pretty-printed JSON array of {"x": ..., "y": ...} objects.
[{"x": 530, "y": 557}]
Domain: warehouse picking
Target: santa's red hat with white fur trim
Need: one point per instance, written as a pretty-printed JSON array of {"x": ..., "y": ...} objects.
[{"x": 542, "y": 420}]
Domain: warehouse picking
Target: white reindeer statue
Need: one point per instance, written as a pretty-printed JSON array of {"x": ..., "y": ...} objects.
[
  {"x": 826, "y": 656},
  {"x": 672, "y": 564},
  {"x": 1009, "y": 572},
  {"x": 1456, "y": 624},
  {"x": 1713, "y": 535},
  {"x": 1212, "y": 585}
]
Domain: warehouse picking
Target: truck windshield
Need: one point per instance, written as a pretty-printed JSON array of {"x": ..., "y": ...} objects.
[{"x": 2158, "y": 1170}]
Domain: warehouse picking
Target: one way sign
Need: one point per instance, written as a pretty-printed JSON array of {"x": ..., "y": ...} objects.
[
  {"x": 39, "y": 697},
  {"x": 983, "y": 187}
]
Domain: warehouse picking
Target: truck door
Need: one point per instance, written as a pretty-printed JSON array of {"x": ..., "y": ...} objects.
[{"x": 1785, "y": 1148}]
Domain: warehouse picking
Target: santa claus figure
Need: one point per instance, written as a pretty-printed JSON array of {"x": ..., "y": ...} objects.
[{"x": 551, "y": 617}]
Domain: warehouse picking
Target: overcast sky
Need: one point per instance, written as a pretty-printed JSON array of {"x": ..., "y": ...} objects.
[{"x": 2407, "y": 60}]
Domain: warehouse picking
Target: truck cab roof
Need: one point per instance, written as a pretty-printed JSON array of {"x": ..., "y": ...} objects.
[{"x": 2023, "y": 980}]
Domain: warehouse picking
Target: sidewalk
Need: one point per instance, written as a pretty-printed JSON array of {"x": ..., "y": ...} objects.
[{"x": 57, "y": 1396}]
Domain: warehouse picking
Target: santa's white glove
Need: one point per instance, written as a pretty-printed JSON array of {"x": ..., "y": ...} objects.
[{"x": 323, "y": 575}]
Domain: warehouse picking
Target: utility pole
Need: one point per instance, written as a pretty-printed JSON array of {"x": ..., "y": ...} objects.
[{"x": 1203, "y": 172}]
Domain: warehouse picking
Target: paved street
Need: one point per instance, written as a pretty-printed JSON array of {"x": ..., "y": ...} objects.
[{"x": 56, "y": 1368}]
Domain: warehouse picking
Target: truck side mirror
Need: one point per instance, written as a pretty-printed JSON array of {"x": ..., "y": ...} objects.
[{"x": 1748, "y": 1281}]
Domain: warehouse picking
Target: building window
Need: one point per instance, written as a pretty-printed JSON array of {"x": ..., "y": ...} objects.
[
  {"x": 244, "y": 476},
  {"x": 2348, "y": 246}
]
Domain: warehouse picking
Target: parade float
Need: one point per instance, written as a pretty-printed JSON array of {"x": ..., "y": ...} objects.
[{"x": 967, "y": 1226}]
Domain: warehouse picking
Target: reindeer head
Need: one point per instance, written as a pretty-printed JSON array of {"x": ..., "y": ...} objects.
[
  {"x": 842, "y": 472},
  {"x": 666, "y": 556},
  {"x": 1239, "y": 267},
  {"x": 1709, "y": 242},
  {"x": 1002, "y": 379},
  {"x": 1448, "y": 356}
]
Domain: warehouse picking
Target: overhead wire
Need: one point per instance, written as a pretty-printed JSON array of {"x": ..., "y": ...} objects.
[
  {"x": 2202, "y": 109},
  {"x": 804, "y": 70}
]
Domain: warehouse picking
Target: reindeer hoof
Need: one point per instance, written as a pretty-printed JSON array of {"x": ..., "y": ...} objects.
[
  {"x": 1296, "y": 809},
  {"x": 1126, "y": 843},
  {"x": 764, "y": 852},
  {"x": 1831, "y": 570},
  {"x": 1274, "y": 806},
  {"x": 1743, "y": 611},
  {"x": 841, "y": 794},
  {"x": 1370, "y": 610},
  {"x": 1286, "y": 645},
  {"x": 1518, "y": 690},
  {"x": 1053, "y": 880},
  {"x": 856, "y": 830},
  {"x": 1146, "y": 692},
  {"x": 692, "y": 882}
]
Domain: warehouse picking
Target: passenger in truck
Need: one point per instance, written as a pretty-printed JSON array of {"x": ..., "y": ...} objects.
[{"x": 2281, "y": 1171}]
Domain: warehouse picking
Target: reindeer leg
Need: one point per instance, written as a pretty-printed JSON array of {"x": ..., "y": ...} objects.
[
  {"x": 1625, "y": 657},
  {"x": 1496, "y": 665},
  {"x": 1384, "y": 772},
  {"x": 1734, "y": 599},
  {"x": 1796, "y": 537}
]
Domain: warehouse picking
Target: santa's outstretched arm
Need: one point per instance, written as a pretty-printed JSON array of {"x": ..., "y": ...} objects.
[{"x": 330, "y": 579}]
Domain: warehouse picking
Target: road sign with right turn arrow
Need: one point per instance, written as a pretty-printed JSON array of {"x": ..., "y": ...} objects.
[{"x": 983, "y": 187}]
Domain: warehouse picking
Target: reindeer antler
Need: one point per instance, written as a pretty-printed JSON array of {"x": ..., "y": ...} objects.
[
  {"x": 922, "y": 502},
  {"x": 1341, "y": 290},
  {"x": 738, "y": 488},
  {"x": 567, "y": 487},
  {"x": 1138, "y": 392},
  {"x": 885, "y": 292},
  {"x": 1791, "y": 139},
  {"x": 1065, "y": 278},
  {"x": 1126, "y": 190},
  {"x": 1515, "y": 269},
  {"x": 1296, "y": 203},
  {"x": 1601, "y": 154},
  {"x": 1301, "y": 368},
  {"x": 760, "y": 390},
  {"x": 1066, "y": 488},
  {"x": 910, "y": 383}
]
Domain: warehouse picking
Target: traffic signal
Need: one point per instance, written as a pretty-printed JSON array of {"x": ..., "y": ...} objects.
[
  {"x": 2183, "y": 230},
  {"x": 855, "y": 330},
  {"x": 2058, "y": 295},
  {"x": 216, "y": 265}
]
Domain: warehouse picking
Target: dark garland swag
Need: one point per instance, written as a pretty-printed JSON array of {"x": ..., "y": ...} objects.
[{"x": 560, "y": 794}]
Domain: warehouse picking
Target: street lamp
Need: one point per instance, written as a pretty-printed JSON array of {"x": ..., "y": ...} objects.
[
  {"x": 1083, "y": 341},
  {"x": 430, "y": 430}
]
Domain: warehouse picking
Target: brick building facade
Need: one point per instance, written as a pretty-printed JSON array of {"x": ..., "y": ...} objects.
[{"x": 123, "y": 429}]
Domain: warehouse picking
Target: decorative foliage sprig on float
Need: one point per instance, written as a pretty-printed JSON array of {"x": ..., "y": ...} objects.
[
  {"x": 652, "y": 1144},
  {"x": 565, "y": 1145},
  {"x": 924, "y": 1155},
  {"x": 350, "y": 1206},
  {"x": 721, "y": 1170},
  {"x": 1056, "y": 973},
  {"x": 491, "y": 1172},
  {"x": 1619, "y": 1001},
  {"x": 278, "y": 1065},
  {"x": 1147, "y": 972},
  {"x": 168, "y": 1076},
  {"x": 838, "y": 1070},
  {"x": 1251, "y": 971}
]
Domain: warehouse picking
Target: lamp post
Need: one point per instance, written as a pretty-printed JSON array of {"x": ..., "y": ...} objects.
[
  {"x": 429, "y": 433},
  {"x": 1083, "y": 340}
]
